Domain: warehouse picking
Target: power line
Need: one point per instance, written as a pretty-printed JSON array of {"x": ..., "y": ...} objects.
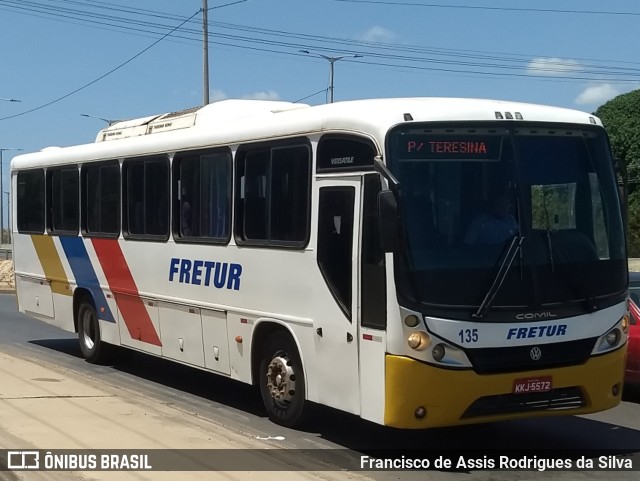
[
  {"x": 312, "y": 95},
  {"x": 387, "y": 55},
  {"x": 486, "y": 7},
  {"x": 563, "y": 70},
  {"x": 102, "y": 76}
]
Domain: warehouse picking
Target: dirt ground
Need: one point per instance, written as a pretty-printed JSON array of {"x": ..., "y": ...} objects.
[{"x": 6, "y": 275}]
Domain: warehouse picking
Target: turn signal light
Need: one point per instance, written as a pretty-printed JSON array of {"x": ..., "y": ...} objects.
[{"x": 625, "y": 323}]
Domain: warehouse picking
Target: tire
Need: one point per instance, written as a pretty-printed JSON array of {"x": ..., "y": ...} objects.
[
  {"x": 282, "y": 382},
  {"x": 93, "y": 349}
]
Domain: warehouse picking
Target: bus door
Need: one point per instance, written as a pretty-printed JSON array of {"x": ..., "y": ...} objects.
[
  {"x": 336, "y": 325},
  {"x": 372, "y": 305}
]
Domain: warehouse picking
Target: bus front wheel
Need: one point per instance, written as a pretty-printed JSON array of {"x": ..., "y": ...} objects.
[
  {"x": 282, "y": 383},
  {"x": 92, "y": 347}
]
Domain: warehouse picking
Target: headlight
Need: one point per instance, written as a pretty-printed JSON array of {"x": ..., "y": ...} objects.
[
  {"x": 418, "y": 340},
  {"x": 613, "y": 338}
]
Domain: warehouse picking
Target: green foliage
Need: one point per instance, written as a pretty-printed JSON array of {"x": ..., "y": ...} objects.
[
  {"x": 633, "y": 228},
  {"x": 552, "y": 206},
  {"x": 621, "y": 119}
]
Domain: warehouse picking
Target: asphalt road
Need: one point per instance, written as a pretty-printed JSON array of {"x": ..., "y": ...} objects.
[{"x": 237, "y": 406}]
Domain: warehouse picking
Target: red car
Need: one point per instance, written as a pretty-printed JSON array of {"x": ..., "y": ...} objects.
[{"x": 632, "y": 373}]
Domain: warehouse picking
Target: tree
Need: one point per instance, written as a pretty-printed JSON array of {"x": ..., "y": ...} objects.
[{"x": 621, "y": 119}]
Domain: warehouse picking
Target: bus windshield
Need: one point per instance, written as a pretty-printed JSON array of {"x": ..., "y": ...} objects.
[{"x": 467, "y": 192}]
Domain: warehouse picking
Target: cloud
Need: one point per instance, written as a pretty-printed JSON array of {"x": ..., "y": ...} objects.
[
  {"x": 217, "y": 94},
  {"x": 268, "y": 95},
  {"x": 552, "y": 66},
  {"x": 378, "y": 35},
  {"x": 597, "y": 94}
]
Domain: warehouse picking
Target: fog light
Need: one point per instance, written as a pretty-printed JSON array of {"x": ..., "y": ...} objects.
[
  {"x": 438, "y": 352},
  {"x": 420, "y": 412},
  {"x": 615, "y": 390},
  {"x": 418, "y": 340},
  {"x": 613, "y": 337},
  {"x": 411, "y": 320}
]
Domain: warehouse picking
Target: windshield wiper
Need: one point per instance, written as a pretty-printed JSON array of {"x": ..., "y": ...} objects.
[{"x": 507, "y": 262}]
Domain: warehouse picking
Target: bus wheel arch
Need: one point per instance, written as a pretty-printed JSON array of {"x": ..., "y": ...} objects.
[{"x": 278, "y": 371}]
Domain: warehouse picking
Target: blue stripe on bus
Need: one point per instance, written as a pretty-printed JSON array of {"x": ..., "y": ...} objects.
[{"x": 85, "y": 274}]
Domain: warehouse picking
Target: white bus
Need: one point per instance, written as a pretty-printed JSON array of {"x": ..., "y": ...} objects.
[{"x": 417, "y": 262}]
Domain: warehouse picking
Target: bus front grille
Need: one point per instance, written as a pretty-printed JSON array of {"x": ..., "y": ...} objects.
[
  {"x": 556, "y": 399},
  {"x": 518, "y": 358}
]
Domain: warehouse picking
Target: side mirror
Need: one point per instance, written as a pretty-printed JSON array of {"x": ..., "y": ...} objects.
[{"x": 389, "y": 221}]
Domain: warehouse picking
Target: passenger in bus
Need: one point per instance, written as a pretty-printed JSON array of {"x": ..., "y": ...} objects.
[
  {"x": 186, "y": 217},
  {"x": 495, "y": 225}
]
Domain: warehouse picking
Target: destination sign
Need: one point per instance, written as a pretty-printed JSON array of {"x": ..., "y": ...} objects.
[{"x": 450, "y": 147}]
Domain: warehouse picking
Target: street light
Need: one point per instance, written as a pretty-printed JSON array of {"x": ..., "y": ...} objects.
[
  {"x": 11, "y": 100},
  {"x": 331, "y": 61},
  {"x": 108, "y": 121},
  {"x": 2, "y": 196}
]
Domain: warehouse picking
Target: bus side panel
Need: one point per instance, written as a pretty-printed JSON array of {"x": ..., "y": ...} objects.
[
  {"x": 239, "y": 339},
  {"x": 42, "y": 280},
  {"x": 372, "y": 344},
  {"x": 181, "y": 333},
  {"x": 109, "y": 330},
  {"x": 63, "y": 309},
  {"x": 34, "y": 296},
  {"x": 141, "y": 323},
  {"x": 32, "y": 286},
  {"x": 216, "y": 341}
]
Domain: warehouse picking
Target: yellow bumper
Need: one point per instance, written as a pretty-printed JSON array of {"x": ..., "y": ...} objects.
[{"x": 446, "y": 394}]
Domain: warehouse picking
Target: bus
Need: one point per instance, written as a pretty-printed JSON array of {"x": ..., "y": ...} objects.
[{"x": 342, "y": 254}]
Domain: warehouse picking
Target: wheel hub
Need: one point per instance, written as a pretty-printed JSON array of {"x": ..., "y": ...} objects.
[{"x": 281, "y": 379}]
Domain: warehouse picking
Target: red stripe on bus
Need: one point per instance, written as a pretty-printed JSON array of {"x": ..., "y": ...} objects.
[{"x": 134, "y": 313}]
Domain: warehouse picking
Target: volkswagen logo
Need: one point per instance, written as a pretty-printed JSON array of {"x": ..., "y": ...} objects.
[{"x": 535, "y": 353}]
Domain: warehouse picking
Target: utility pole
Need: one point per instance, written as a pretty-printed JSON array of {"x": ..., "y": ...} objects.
[
  {"x": 1, "y": 196},
  {"x": 331, "y": 61},
  {"x": 1, "y": 184},
  {"x": 205, "y": 53}
]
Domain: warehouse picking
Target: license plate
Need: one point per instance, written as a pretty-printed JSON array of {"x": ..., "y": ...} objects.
[{"x": 532, "y": 384}]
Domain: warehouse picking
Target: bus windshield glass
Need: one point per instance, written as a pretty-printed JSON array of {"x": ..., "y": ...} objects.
[{"x": 467, "y": 191}]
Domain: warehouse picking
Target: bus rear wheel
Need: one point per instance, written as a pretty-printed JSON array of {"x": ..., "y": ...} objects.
[
  {"x": 91, "y": 345},
  {"x": 282, "y": 383}
]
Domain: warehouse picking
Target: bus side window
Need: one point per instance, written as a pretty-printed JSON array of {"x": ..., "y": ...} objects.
[
  {"x": 30, "y": 201},
  {"x": 273, "y": 194},
  {"x": 202, "y": 196},
  {"x": 100, "y": 192},
  {"x": 335, "y": 241},
  {"x": 146, "y": 185}
]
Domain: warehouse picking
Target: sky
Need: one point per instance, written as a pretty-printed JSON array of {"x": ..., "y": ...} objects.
[{"x": 119, "y": 59}]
